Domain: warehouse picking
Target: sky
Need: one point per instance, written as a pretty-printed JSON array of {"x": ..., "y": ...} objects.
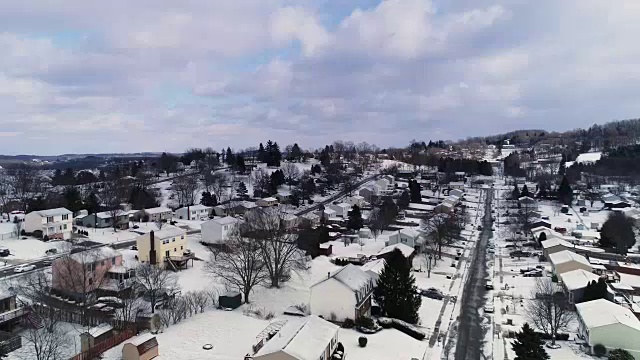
[{"x": 85, "y": 76}]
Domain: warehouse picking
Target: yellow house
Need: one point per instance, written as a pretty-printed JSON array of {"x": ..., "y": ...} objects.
[{"x": 156, "y": 247}]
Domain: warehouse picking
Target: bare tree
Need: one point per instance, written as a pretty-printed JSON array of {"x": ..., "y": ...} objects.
[
  {"x": 242, "y": 267},
  {"x": 277, "y": 242},
  {"x": 185, "y": 189},
  {"x": 25, "y": 182},
  {"x": 5, "y": 191},
  {"x": 218, "y": 183},
  {"x": 156, "y": 282},
  {"x": 51, "y": 342},
  {"x": 524, "y": 217},
  {"x": 291, "y": 173},
  {"x": 113, "y": 194},
  {"x": 348, "y": 184},
  {"x": 438, "y": 230},
  {"x": 376, "y": 222},
  {"x": 131, "y": 305},
  {"x": 159, "y": 224},
  {"x": 548, "y": 309},
  {"x": 17, "y": 227}
]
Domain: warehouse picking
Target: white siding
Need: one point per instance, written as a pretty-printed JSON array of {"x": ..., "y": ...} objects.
[{"x": 331, "y": 296}]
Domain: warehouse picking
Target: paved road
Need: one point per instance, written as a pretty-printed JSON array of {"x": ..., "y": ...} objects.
[
  {"x": 46, "y": 262},
  {"x": 471, "y": 333}
]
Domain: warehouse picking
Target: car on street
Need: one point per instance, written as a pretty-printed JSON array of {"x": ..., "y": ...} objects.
[
  {"x": 4, "y": 252},
  {"x": 488, "y": 285},
  {"x": 432, "y": 293},
  {"x": 526, "y": 270},
  {"x": 489, "y": 309},
  {"x": 533, "y": 273},
  {"x": 23, "y": 268},
  {"x": 519, "y": 253}
]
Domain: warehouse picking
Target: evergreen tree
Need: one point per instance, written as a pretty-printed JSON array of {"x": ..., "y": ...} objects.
[
  {"x": 72, "y": 199},
  {"x": 91, "y": 203},
  {"x": 208, "y": 199},
  {"x": 515, "y": 193},
  {"x": 620, "y": 354},
  {"x": 262, "y": 154},
  {"x": 396, "y": 292},
  {"x": 239, "y": 164},
  {"x": 528, "y": 345},
  {"x": 404, "y": 200},
  {"x": 525, "y": 191},
  {"x": 414, "y": 188},
  {"x": 296, "y": 153},
  {"x": 543, "y": 237},
  {"x": 242, "y": 191},
  {"x": 229, "y": 157},
  {"x": 617, "y": 232},
  {"x": 354, "y": 220},
  {"x": 565, "y": 194}
]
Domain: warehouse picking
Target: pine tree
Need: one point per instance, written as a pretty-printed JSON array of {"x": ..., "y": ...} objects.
[
  {"x": 515, "y": 194},
  {"x": 414, "y": 188},
  {"x": 262, "y": 154},
  {"x": 404, "y": 200},
  {"x": 396, "y": 290},
  {"x": 241, "y": 191},
  {"x": 208, "y": 199},
  {"x": 617, "y": 232},
  {"x": 525, "y": 191},
  {"x": 565, "y": 194},
  {"x": 229, "y": 157},
  {"x": 296, "y": 153},
  {"x": 620, "y": 354},
  {"x": 92, "y": 204},
  {"x": 354, "y": 220},
  {"x": 542, "y": 237},
  {"x": 528, "y": 345}
]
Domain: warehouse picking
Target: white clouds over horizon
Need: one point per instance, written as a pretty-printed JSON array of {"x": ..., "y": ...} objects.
[{"x": 88, "y": 76}]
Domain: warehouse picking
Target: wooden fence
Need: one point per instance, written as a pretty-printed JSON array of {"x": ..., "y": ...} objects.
[{"x": 105, "y": 345}]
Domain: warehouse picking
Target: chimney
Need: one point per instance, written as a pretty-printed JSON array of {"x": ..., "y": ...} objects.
[{"x": 152, "y": 248}]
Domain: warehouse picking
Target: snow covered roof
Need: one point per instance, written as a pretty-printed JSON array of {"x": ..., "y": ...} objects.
[
  {"x": 352, "y": 277},
  {"x": 578, "y": 279},
  {"x": 93, "y": 255},
  {"x": 195, "y": 207},
  {"x": 227, "y": 220},
  {"x": 301, "y": 339},
  {"x": 555, "y": 242},
  {"x": 343, "y": 205},
  {"x": 157, "y": 210},
  {"x": 270, "y": 199},
  {"x": 374, "y": 266},
  {"x": 566, "y": 256},
  {"x": 601, "y": 312},
  {"x": 405, "y": 249},
  {"x": 311, "y": 216},
  {"x": 410, "y": 232},
  {"x": 169, "y": 232},
  {"x": 53, "y": 212},
  {"x": 329, "y": 211},
  {"x": 284, "y": 192},
  {"x": 588, "y": 157},
  {"x": 100, "y": 330},
  {"x": 248, "y": 204},
  {"x": 107, "y": 214},
  {"x": 140, "y": 339}
]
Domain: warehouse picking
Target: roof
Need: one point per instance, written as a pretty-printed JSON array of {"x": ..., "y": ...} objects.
[
  {"x": 140, "y": 339},
  {"x": 410, "y": 232},
  {"x": 588, "y": 157},
  {"x": 53, "y": 212},
  {"x": 107, "y": 214},
  {"x": 269, "y": 199},
  {"x": 301, "y": 339},
  {"x": 93, "y": 255},
  {"x": 566, "y": 256},
  {"x": 168, "y": 232},
  {"x": 556, "y": 242},
  {"x": 351, "y": 276},
  {"x": 195, "y": 207},
  {"x": 227, "y": 220},
  {"x": 578, "y": 279},
  {"x": 100, "y": 330},
  {"x": 157, "y": 210},
  {"x": 405, "y": 249},
  {"x": 143, "y": 342},
  {"x": 374, "y": 266},
  {"x": 601, "y": 312}
]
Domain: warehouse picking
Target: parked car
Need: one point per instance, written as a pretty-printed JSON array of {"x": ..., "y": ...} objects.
[
  {"x": 533, "y": 273},
  {"x": 519, "y": 253},
  {"x": 526, "y": 270},
  {"x": 489, "y": 309},
  {"x": 23, "y": 268},
  {"x": 133, "y": 247},
  {"x": 432, "y": 293},
  {"x": 491, "y": 251},
  {"x": 488, "y": 285},
  {"x": 4, "y": 252},
  {"x": 51, "y": 251}
]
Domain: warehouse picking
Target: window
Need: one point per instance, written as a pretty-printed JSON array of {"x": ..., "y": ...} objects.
[
  {"x": 90, "y": 281},
  {"x": 113, "y": 261},
  {"x": 174, "y": 249},
  {"x": 181, "y": 247},
  {"x": 65, "y": 217},
  {"x": 182, "y": 237},
  {"x": 64, "y": 226},
  {"x": 51, "y": 230},
  {"x": 173, "y": 240},
  {"x": 165, "y": 241},
  {"x": 49, "y": 219},
  {"x": 225, "y": 228}
]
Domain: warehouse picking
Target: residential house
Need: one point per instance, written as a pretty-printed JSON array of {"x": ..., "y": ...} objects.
[
  {"x": 141, "y": 347},
  {"x": 219, "y": 210},
  {"x": 311, "y": 338},
  {"x": 574, "y": 282},
  {"x": 328, "y": 214},
  {"x": 456, "y": 185},
  {"x": 194, "y": 212},
  {"x": 565, "y": 261},
  {"x": 356, "y": 200},
  {"x": 406, "y": 236},
  {"x": 283, "y": 196},
  {"x": 157, "y": 213},
  {"x": 554, "y": 245},
  {"x": 105, "y": 219},
  {"x": 374, "y": 268},
  {"x": 311, "y": 219},
  {"x": 350, "y": 289},
  {"x": 83, "y": 272},
  {"x": 406, "y": 250},
  {"x": 53, "y": 223},
  {"x": 540, "y": 223},
  {"x": 614, "y": 202},
  {"x": 384, "y": 185},
  {"x": 369, "y": 192},
  {"x": 443, "y": 207},
  {"x": 11, "y": 312},
  {"x": 269, "y": 201},
  {"x": 290, "y": 221},
  {"x": 614, "y": 326},
  {"x": 216, "y": 231},
  {"x": 341, "y": 209},
  {"x": 166, "y": 245}
]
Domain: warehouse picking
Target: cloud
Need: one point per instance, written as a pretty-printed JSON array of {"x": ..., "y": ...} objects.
[{"x": 159, "y": 75}]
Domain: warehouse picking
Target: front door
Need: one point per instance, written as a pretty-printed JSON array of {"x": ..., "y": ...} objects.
[{"x": 166, "y": 253}]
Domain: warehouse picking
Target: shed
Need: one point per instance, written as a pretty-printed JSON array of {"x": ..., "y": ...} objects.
[
  {"x": 325, "y": 249},
  {"x": 230, "y": 300},
  {"x": 141, "y": 347},
  {"x": 95, "y": 335}
]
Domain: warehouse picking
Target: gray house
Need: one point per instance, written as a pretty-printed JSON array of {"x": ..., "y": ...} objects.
[{"x": 104, "y": 220}]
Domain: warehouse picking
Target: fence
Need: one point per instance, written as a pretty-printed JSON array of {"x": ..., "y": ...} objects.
[
  {"x": 9, "y": 235},
  {"x": 105, "y": 345}
]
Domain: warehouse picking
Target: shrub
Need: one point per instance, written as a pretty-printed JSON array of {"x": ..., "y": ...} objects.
[
  {"x": 37, "y": 234},
  {"x": 348, "y": 323},
  {"x": 23, "y": 232},
  {"x": 365, "y": 322},
  {"x": 340, "y": 347},
  {"x": 46, "y": 238},
  {"x": 620, "y": 354},
  {"x": 599, "y": 350},
  {"x": 362, "y": 341},
  {"x": 385, "y": 322},
  {"x": 559, "y": 336},
  {"x": 408, "y": 329}
]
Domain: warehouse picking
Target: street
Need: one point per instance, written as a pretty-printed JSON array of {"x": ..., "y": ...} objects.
[{"x": 471, "y": 333}]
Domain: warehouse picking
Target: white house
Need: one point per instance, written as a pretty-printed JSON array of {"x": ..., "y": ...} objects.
[
  {"x": 328, "y": 214},
  {"x": 456, "y": 185},
  {"x": 54, "y": 223},
  {"x": 194, "y": 212},
  {"x": 350, "y": 291},
  {"x": 157, "y": 213},
  {"x": 311, "y": 338},
  {"x": 407, "y": 236},
  {"x": 356, "y": 200},
  {"x": 384, "y": 185},
  {"x": 311, "y": 219},
  {"x": 575, "y": 281},
  {"x": 215, "y": 231},
  {"x": 341, "y": 209},
  {"x": 565, "y": 260},
  {"x": 614, "y": 326},
  {"x": 368, "y": 192},
  {"x": 266, "y": 202}
]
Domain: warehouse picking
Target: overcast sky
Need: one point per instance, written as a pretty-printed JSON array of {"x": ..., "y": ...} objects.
[{"x": 90, "y": 76}]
